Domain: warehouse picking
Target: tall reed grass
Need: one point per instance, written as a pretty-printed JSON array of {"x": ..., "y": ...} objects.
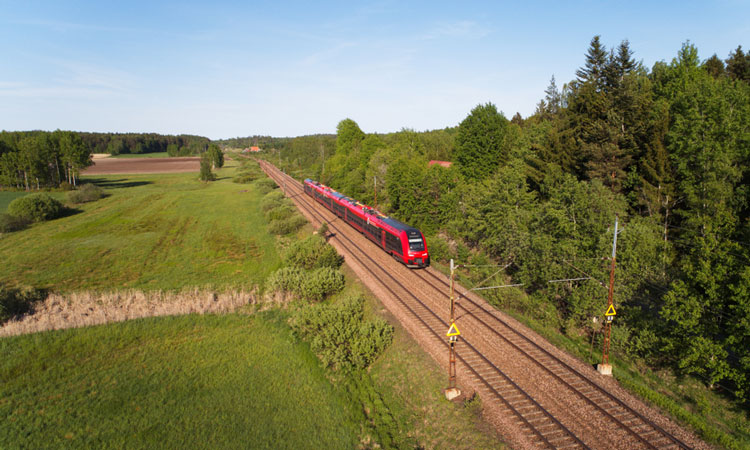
[{"x": 93, "y": 308}]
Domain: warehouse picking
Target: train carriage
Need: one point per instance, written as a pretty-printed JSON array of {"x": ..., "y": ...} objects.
[{"x": 405, "y": 243}]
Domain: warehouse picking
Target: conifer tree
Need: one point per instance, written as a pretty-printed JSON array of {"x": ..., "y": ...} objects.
[
  {"x": 714, "y": 66},
  {"x": 594, "y": 69},
  {"x": 552, "y": 97},
  {"x": 738, "y": 65}
]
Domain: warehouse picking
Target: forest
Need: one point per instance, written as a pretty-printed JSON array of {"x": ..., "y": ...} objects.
[
  {"x": 40, "y": 159},
  {"x": 666, "y": 150}
]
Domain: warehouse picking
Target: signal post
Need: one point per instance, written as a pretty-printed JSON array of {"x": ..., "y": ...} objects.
[
  {"x": 605, "y": 368},
  {"x": 452, "y": 391}
]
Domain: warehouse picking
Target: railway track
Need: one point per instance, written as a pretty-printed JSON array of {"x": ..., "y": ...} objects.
[
  {"x": 644, "y": 431},
  {"x": 478, "y": 355}
]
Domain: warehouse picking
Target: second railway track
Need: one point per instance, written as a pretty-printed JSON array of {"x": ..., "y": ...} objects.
[{"x": 543, "y": 421}]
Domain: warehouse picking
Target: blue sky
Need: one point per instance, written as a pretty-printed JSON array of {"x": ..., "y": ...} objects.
[{"x": 223, "y": 69}]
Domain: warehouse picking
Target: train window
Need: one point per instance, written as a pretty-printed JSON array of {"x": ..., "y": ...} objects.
[
  {"x": 416, "y": 245},
  {"x": 392, "y": 243}
]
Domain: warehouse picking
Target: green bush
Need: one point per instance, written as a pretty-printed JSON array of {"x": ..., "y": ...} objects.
[
  {"x": 264, "y": 185},
  {"x": 10, "y": 223},
  {"x": 312, "y": 253},
  {"x": 244, "y": 178},
  {"x": 438, "y": 248},
  {"x": 314, "y": 285},
  {"x": 287, "y": 226},
  {"x": 286, "y": 279},
  {"x": 280, "y": 213},
  {"x": 35, "y": 207},
  {"x": 321, "y": 283},
  {"x": 272, "y": 200},
  {"x": 86, "y": 193},
  {"x": 340, "y": 335},
  {"x": 15, "y": 302}
]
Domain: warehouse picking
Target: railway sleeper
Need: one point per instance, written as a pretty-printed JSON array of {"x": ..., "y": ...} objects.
[
  {"x": 577, "y": 387},
  {"x": 550, "y": 426},
  {"x": 662, "y": 442},
  {"x": 517, "y": 397},
  {"x": 526, "y": 408},
  {"x": 537, "y": 421},
  {"x": 556, "y": 435}
]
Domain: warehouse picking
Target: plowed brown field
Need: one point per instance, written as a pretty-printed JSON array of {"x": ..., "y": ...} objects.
[{"x": 108, "y": 166}]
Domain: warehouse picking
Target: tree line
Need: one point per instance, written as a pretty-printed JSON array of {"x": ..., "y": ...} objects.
[
  {"x": 40, "y": 159},
  {"x": 137, "y": 143},
  {"x": 667, "y": 149},
  {"x": 32, "y": 160}
]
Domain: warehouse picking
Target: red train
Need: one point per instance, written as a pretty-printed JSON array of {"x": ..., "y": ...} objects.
[{"x": 405, "y": 243}]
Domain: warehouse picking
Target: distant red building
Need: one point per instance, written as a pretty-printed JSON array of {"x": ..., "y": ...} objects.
[
  {"x": 440, "y": 163},
  {"x": 251, "y": 149}
]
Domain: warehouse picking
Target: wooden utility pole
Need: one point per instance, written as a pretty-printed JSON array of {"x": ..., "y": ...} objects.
[
  {"x": 375, "y": 187},
  {"x": 605, "y": 368},
  {"x": 452, "y": 391}
]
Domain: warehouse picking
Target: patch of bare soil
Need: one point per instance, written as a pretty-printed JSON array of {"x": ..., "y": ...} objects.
[{"x": 109, "y": 166}]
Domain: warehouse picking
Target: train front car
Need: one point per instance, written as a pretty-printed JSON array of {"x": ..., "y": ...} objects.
[
  {"x": 412, "y": 246},
  {"x": 416, "y": 255}
]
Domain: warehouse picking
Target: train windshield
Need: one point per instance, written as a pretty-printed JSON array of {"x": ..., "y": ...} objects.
[{"x": 416, "y": 245}]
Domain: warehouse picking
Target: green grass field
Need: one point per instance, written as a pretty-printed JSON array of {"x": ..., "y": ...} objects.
[
  {"x": 232, "y": 381},
  {"x": 153, "y": 232},
  {"x": 142, "y": 155}
]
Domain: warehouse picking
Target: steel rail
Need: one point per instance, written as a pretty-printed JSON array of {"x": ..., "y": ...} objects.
[{"x": 618, "y": 403}]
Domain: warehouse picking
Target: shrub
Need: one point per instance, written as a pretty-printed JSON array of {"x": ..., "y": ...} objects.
[
  {"x": 15, "y": 302},
  {"x": 315, "y": 285},
  {"x": 287, "y": 226},
  {"x": 10, "y": 223},
  {"x": 271, "y": 200},
  {"x": 286, "y": 279},
  {"x": 264, "y": 185},
  {"x": 281, "y": 212},
  {"x": 244, "y": 178},
  {"x": 205, "y": 173},
  {"x": 340, "y": 335},
  {"x": 321, "y": 283},
  {"x": 35, "y": 207},
  {"x": 323, "y": 229},
  {"x": 86, "y": 193},
  {"x": 438, "y": 248},
  {"x": 65, "y": 186},
  {"x": 312, "y": 253}
]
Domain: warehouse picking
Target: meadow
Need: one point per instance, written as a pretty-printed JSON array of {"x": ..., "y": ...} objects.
[
  {"x": 153, "y": 232},
  {"x": 218, "y": 381},
  {"x": 142, "y": 155}
]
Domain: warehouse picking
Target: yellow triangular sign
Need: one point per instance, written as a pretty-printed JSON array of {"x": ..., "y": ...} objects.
[
  {"x": 453, "y": 330},
  {"x": 610, "y": 311}
]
